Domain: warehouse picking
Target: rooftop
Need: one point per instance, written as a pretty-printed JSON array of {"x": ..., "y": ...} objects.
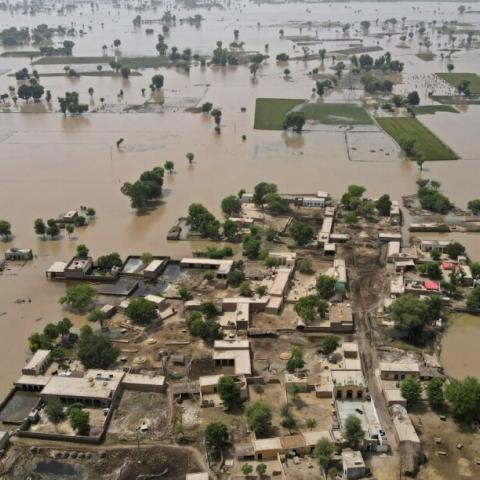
[
  {"x": 38, "y": 358},
  {"x": 340, "y": 313},
  {"x": 399, "y": 367},
  {"x": 344, "y": 378},
  {"x": 352, "y": 459}
]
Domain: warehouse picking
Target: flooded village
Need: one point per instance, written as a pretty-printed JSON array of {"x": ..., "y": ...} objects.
[{"x": 239, "y": 240}]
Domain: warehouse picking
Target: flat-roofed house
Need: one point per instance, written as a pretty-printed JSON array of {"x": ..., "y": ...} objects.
[
  {"x": 18, "y": 254},
  {"x": 154, "y": 268},
  {"x": 399, "y": 370},
  {"x": 78, "y": 268},
  {"x": 56, "y": 270},
  {"x": 222, "y": 267},
  {"x": 143, "y": 383},
  {"x": 97, "y": 388},
  {"x": 281, "y": 282},
  {"x": 348, "y": 384},
  {"x": 340, "y": 316},
  {"x": 38, "y": 364},
  {"x": 353, "y": 464},
  {"x": 233, "y": 353}
]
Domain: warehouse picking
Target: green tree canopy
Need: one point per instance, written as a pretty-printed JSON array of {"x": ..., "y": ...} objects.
[
  {"x": 353, "y": 431},
  {"x": 141, "y": 311},
  {"x": 464, "y": 399},
  {"x": 229, "y": 391},
  {"x": 216, "y": 434},
  {"x": 325, "y": 286},
  {"x": 95, "y": 351},
  {"x": 79, "y": 297},
  {"x": 259, "y": 417},
  {"x": 301, "y": 233},
  {"x": 411, "y": 390}
]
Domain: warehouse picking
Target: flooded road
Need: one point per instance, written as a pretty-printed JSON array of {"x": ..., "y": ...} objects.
[{"x": 50, "y": 164}]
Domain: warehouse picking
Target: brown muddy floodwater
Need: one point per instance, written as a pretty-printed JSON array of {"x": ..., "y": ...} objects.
[
  {"x": 460, "y": 347},
  {"x": 50, "y": 164}
]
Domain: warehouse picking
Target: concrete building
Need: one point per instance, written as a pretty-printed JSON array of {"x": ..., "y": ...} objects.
[
  {"x": 78, "y": 268},
  {"x": 281, "y": 282},
  {"x": 154, "y": 268},
  {"x": 197, "y": 476},
  {"x": 56, "y": 270},
  {"x": 350, "y": 349},
  {"x": 340, "y": 274},
  {"x": 97, "y": 388},
  {"x": 222, "y": 267},
  {"x": 348, "y": 384},
  {"x": 38, "y": 364},
  {"x": 286, "y": 259},
  {"x": 143, "y": 383},
  {"x": 18, "y": 254},
  {"x": 313, "y": 202},
  {"x": 233, "y": 353},
  {"x": 158, "y": 301},
  {"x": 390, "y": 237},
  {"x": 399, "y": 370},
  {"x": 340, "y": 316},
  {"x": 352, "y": 464}
]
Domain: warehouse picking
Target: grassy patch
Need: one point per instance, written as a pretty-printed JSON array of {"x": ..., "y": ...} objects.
[
  {"x": 455, "y": 78},
  {"x": 425, "y": 56},
  {"x": 336, "y": 113},
  {"x": 131, "y": 62},
  {"x": 270, "y": 112},
  {"x": 456, "y": 100},
  {"x": 20, "y": 53},
  {"x": 431, "y": 109},
  {"x": 431, "y": 147}
]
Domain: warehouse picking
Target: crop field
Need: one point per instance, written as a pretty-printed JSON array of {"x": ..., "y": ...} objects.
[
  {"x": 455, "y": 78},
  {"x": 270, "y": 113},
  {"x": 428, "y": 144}
]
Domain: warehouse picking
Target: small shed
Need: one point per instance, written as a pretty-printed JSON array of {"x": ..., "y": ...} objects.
[{"x": 353, "y": 464}]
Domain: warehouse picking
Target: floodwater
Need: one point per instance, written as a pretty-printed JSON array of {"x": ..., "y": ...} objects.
[
  {"x": 50, "y": 163},
  {"x": 462, "y": 335}
]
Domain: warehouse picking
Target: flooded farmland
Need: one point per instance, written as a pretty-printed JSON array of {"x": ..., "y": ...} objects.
[{"x": 50, "y": 163}]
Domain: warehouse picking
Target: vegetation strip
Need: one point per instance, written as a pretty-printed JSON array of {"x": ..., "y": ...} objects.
[{"x": 429, "y": 145}]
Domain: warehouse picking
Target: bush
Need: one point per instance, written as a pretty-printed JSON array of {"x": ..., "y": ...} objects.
[
  {"x": 329, "y": 344},
  {"x": 141, "y": 311},
  {"x": 411, "y": 390},
  {"x": 259, "y": 417},
  {"x": 54, "y": 411}
]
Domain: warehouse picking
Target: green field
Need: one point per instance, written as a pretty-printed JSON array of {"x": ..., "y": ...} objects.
[
  {"x": 425, "y": 56},
  {"x": 431, "y": 147},
  {"x": 336, "y": 113},
  {"x": 270, "y": 113},
  {"x": 431, "y": 109},
  {"x": 455, "y": 78},
  {"x": 455, "y": 100},
  {"x": 131, "y": 62}
]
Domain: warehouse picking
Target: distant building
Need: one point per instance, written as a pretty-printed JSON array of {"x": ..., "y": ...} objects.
[
  {"x": 18, "y": 254},
  {"x": 222, "y": 267}
]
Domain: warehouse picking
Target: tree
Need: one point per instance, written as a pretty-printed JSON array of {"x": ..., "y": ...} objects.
[
  {"x": 235, "y": 277},
  {"x": 96, "y": 315},
  {"x": 329, "y": 344},
  {"x": 54, "y": 410},
  {"x": 69, "y": 228},
  {"x": 473, "y": 300},
  {"x": 141, "y": 311},
  {"x": 307, "y": 308},
  {"x": 311, "y": 423},
  {"x": 436, "y": 397},
  {"x": 169, "y": 166},
  {"x": 259, "y": 417},
  {"x": 39, "y": 227},
  {"x": 51, "y": 331},
  {"x": 146, "y": 258},
  {"x": 464, "y": 399},
  {"x": 37, "y": 341},
  {"x": 231, "y": 205},
  {"x": 325, "y": 286},
  {"x": 216, "y": 434},
  {"x": 261, "y": 190},
  {"x": 251, "y": 247},
  {"x": 351, "y": 218},
  {"x": 107, "y": 263},
  {"x": 367, "y": 209},
  {"x": 147, "y": 188},
  {"x": 301, "y": 233},
  {"x": 431, "y": 270},
  {"x": 95, "y": 351},
  {"x": 261, "y": 469},
  {"x": 202, "y": 221},
  {"x": 304, "y": 265},
  {"x": 296, "y": 361},
  {"x": 413, "y": 98},
  {"x": 288, "y": 421},
  {"x": 454, "y": 250},
  {"x": 117, "y": 43},
  {"x": 411, "y": 390},
  {"x": 64, "y": 326},
  {"x": 229, "y": 391},
  {"x": 474, "y": 206},
  {"x": 158, "y": 81},
  {"x": 295, "y": 121},
  {"x": 353, "y": 431},
  {"x": 82, "y": 251},
  {"x": 79, "y": 297},
  {"x": 450, "y": 67},
  {"x": 79, "y": 420},
  {"x": 384, "y": 205},
  {"x": 190, "y": 156},
  {"x": 5, "y": 229},
  {"x": 410, "y": 315},
  {"x": 323, "y": 452},
  {"x": 246, "y": 469}
]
